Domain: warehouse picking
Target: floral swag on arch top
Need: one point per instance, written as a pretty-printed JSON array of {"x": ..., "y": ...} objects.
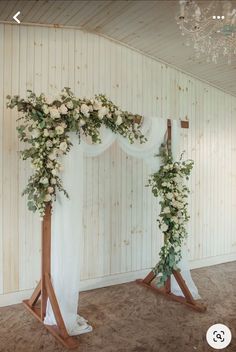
[{"x": 45, "y": 124}]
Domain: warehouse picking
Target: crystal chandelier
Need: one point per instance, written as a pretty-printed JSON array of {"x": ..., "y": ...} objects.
[{"x": 211, "y": 27}]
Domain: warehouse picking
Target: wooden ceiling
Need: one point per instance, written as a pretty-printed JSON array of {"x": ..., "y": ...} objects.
[{"x": 148, "y": 26}]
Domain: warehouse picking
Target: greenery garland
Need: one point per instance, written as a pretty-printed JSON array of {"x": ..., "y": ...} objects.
[
  {"x": 169, "y": 184},
  {"x": 45, "y": 124}
]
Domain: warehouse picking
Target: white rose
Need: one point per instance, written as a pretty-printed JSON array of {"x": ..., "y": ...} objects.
[
  {"x": 50, "y": 165},
  {"x": 54, "y": 113},
  {"x": 47, "y": 198},
  {"x": 54, "y": 172},
  {"x": 37, "y": 145},
  {"x": 69, "y": 104},
  {"x": 175, "y": 219},
  {"x": 166, "y": 210},
  {"x": 178, "y": 179},
  {"x": 35, "y": 133},
  {"x": 49, "y": 144},
  {"x": 44, "y": 180},
  {"x": 84, "y": 110},
  {"x": 63, "y": 109},
  {"x": 52, "y": 155},
  {"x": 177, "y": 249},
  {"x": 164, "y": 227},
  {"x": 82, "y": 122},
  {"x": 45, "y": 109},
  {"x": 63, "y": 124},
  {"x": 164, "y": 184},
  {"x": 63, "y": 146},
  {"x": 50, "y": 190},
  {"x": 45, "y": 133},
  {"x": 49, "y": 99},
  {"x": 119, "y": 120},
  {"x": 169, "y": 195},
  {"x": 102, "y": 112},
  {"x": 59, "y": 130},
  {"x": 53, "y": 181},
  {"x": 97, "y": 105}
]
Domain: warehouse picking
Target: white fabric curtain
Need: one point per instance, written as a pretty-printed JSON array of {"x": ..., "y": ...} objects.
[
  {"x": 67, "y": 216},
  {"x": 66, "y": 232}
]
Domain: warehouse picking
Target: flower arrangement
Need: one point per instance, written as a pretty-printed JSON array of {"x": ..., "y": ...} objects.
[
  {"x": 169, "y": 184},
  {"x": 45, "y": 123}
]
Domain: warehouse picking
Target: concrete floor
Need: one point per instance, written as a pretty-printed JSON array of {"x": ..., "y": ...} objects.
[{"x": 130, "y": 318}]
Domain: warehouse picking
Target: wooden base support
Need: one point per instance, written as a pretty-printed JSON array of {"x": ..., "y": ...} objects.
[
  {"x": 68, "y": 342},
  {"x": 59, "y": 330},
  {"x": 188, "y": 299}
]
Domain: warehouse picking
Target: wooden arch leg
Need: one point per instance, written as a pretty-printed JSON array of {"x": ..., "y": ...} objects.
[
  {"x": 45, "y": 290},
  {"x": 188, "y": 299}
]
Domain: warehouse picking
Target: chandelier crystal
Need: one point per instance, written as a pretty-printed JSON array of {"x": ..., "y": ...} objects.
[{"x": 211, "y": 27}]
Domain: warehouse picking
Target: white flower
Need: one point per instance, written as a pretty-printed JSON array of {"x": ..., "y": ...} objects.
[
  {"x": 97, "y": 105},
  {"x": 35, "y": 133},
  {"x": 164, "y": 184},
  {"x": 54, "y": 113},
  {"x": 164, "y": 227},
  {"x": 59, "y": 130},
  {"x": 45, "y": 109},
  {"x": 50, "y": 190},
  {"x": 63, "y": 124},
  {"x": 55, "y": 172},
  {"x": 45, "y": 133},
  {"x": 49, "y": 144},
  {"x": 53, "y": 181},
  {"x": 69, "y": 104},
  {"x": 102, "y": 112},
  {"x": 82, "y": 122},
  {"x": 84, "y": 110},
  {"x": 47, "y": 198},
  {"x": 175, "y": 219},
  {"x": 177, "y": 249},
  {"x": 49, "y": 99},
  {"x": 50, "y": 164},
  {"x": 63, "y": 109},
  {"x": 90, "y": 108},
  {"x": 166, "y": 210},
  {"x": 119, "y": 120},
  {"x": 52, "y": 155},
  {"x": 44, "y": 180},
  {"x": 37, "y": 145},
  {"x": 169, "y": 195},
  {"x": 63, "y": 146},
  {"x": 178, "y": 179}
]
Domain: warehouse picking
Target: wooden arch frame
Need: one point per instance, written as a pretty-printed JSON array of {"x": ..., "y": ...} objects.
[
  {"x": 188, "y": 299},
  {"x": 46, "y": 291}
]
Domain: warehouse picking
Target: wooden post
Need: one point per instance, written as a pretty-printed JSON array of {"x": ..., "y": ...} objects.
[
  {"x": 46, "y": 258},
  {"x": 46, "y": 291},
  {"x": 166, "y": 290}
]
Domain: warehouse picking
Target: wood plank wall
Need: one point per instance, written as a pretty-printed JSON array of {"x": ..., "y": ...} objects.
[{"x": 120, "y": 231}]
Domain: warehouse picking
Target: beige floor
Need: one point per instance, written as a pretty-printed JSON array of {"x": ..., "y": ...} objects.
[{"x": 129, "y": 318}]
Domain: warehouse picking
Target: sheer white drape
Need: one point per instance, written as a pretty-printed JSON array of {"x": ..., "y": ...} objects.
[
  {"x": 66, "y": 231},
  {"x": 67, "y": 216}
]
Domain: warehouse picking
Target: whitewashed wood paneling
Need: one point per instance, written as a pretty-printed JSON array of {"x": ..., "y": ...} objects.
[{"x": 120, "y": 232}]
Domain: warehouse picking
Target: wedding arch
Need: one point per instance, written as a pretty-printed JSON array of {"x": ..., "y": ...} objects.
[{"x": 46, "y": 124}]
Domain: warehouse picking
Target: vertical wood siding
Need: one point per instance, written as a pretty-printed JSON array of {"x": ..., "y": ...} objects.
[{"x": 120, "y": 229}]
